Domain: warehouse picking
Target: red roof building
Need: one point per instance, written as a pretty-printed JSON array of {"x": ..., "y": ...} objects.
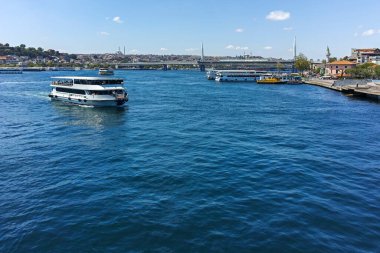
[{"x": 338, "y": 68}]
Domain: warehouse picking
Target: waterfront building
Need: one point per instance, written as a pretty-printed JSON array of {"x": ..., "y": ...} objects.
[
  {"x": 375, "y": 60},
  {"x": 317, "y": 65},
  {"x": 9, "y": 59},
  {"x": 365, "y": 55},
  {"x": 338, "y": 68}
]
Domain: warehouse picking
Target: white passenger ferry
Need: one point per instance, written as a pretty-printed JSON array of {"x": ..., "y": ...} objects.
[
  {"x": 211, "y": 74},
  {"x": 238, "y": 75},
  {"x": 105, "y": 72},
  {"x": 91, "y": 91}
]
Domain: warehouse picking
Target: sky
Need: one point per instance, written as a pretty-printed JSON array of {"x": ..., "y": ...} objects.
[{"x": 227, "y": 28}]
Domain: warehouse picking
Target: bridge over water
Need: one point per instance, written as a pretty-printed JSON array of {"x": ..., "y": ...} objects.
[
  {"x": 165, "y": 65},
  {"x": 265, "y": 65}
]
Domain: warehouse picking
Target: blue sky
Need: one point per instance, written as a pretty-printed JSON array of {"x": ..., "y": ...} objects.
[{"x": 260, "y": 27}]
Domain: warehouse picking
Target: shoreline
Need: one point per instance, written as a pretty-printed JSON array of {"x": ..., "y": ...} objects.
[{"x": 362, "y": 88}]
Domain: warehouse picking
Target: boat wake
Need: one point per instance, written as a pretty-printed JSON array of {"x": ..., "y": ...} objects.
[
  {"x": 86, "y": 106},
  {"x": 22, "y": 82}
]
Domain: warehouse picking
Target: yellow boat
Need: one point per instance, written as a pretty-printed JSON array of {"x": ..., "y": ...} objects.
[{"x": 271, "y": 80}]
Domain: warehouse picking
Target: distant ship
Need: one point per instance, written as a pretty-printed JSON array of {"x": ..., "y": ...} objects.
[
  {"x": 91, "y": 91},
  {"x": 238, "y": 75},
  {"x": 105, "y": 71},
  {"x": 10, "y": 71}
]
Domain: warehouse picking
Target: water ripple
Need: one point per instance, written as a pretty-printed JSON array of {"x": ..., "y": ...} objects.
[{"x": 188, "y": 166}]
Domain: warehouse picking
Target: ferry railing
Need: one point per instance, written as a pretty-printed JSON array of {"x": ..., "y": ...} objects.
[{"x": 57, "y": 83}]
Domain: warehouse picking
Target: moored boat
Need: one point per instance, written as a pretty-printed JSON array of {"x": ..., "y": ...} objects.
[
  {"x": 10, "y": 70},
  {"x": 211, "y": 74},
  {"x": 238, "y": 75},
  {"x": 295, "y": 79},
  {"x": 91, "y": 91},
  {"x": 272, "y": 80},
  {"x": 105, "y": 71}
]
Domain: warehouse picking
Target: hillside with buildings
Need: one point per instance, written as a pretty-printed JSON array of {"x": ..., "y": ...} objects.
[{"x": 361, "y": 63}]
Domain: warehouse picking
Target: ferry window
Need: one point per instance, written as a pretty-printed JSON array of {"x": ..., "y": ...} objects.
[
  {"x": 98, "y": 82},
  {"x": 63, "y": 82},
  {"x": 74, "y": 91},
  {"x": 100, "y": 92}
]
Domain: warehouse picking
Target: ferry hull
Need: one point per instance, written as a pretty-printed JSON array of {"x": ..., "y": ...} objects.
[
  {"x": 248, "y": 79},
  {"x": 89, "y": 102},
  {"x": 272, "y": 82}
]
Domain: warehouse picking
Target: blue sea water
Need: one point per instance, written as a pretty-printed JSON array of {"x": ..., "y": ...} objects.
[{"x": 188, "y": 165}]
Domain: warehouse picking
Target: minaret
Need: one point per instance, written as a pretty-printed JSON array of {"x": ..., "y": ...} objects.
[
  {"x": 294, "y": 54},
  {"x": 203, "y": 53},
  {"x": 328, "y": 55},
  {"x": 295, "y": 48}
]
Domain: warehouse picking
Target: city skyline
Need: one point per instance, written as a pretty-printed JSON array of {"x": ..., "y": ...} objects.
[{"x": 225, "y": 28}]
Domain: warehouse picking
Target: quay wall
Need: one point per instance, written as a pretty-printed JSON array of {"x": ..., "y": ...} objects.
[{"x": 355, "y": 87}]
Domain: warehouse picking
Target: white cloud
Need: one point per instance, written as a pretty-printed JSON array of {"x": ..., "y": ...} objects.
[
  {"x": 268, "y": 48},
  {"x": 118, "y": 20},
  {"x": 163, "y": 49},
  {"x": 237, "y": 47},
  {"x": 191, "y": 49},
  {"x": 239, "y": 30},
  {"x": 370, "y": 32},
  {"x": 104, "y": 34},
  {"x": 133, "y": 51},
  {"x": 290, "y": 49},
  {"x": 288, "y": 28},
  {"x": 278, "y": 15}
]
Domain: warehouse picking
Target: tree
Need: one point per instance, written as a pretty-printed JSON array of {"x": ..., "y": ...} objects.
[
  {"x": 332, "y": 59},
  {"x": 377, "y": 71},
  {"x": 73, "y": 56},
  {"x": 279, "y": 66},
  {"x": 366, "y": 70},
  {"x": 302, "y": 63}
]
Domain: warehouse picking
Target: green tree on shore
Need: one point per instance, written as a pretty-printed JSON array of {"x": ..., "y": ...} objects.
[
  {"x": 366, "y": 70},
  {"x": 377, "y": 71},
  {"x": 31, "y": 52},
  {"x": 302, "y": 63}
]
